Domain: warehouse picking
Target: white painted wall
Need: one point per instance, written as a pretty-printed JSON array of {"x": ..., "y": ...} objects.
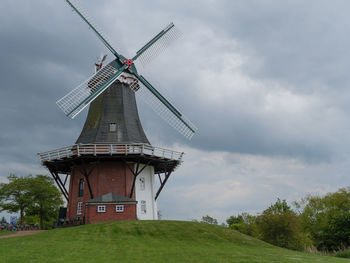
[{"x": 147, "y": 194}]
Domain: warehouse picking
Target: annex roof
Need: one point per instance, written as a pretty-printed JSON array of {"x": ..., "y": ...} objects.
[{"x": 111, "y": 198}]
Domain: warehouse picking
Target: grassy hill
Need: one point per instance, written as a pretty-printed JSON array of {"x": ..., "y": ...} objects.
[{"x": 147, "y": 241}]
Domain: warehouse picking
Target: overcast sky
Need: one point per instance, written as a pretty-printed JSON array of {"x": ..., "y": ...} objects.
[{"x": 266, "y": 83}]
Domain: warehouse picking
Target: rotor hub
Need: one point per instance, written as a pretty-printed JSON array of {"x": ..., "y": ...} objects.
[{"x": 128, "y": 62}]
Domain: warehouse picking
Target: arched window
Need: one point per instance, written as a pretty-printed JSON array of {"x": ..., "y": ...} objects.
[
  {"x": 142, "y": 183},
  {"x": 81, "y": 187}
]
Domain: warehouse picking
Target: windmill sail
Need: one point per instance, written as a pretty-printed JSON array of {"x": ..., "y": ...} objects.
[
  {"x": 164, "y": 108},
  {"x": 158, "y": 44},
  {"x": 104, "y": 41},
  {"x": 80, "y": 97}
]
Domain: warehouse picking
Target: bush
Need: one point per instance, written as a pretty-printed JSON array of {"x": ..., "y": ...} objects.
[
  {"x": 343, "y": 254},
  {"x": 322, "y": 223},
  {"x": 244, "y": 223}
]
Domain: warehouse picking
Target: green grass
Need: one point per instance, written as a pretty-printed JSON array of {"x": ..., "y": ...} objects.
[{"x": 147, "y": 241}]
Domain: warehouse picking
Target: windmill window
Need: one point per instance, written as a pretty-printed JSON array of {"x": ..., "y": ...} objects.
[
  {"x": 79, "y": 208},
  {"x": 142, "y": 183},
  {"x": 112, "y": 127},
  {"x": 81, "y": 188},
  {"x": 119, "y": 208},
  {"x": 101, "y": 208},
  {"x": 143, "y": 207}
]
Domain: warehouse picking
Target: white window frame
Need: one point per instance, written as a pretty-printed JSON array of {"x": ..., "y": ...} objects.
[
  {"x": 101, "y": 209},
  {"x": 112, "y": 127},
  {"x": 79, "y": 208},
  {"x": 142, "y": 183},
  {"x": 143, "y": 207},
  {"x": 119, "y": 208}
]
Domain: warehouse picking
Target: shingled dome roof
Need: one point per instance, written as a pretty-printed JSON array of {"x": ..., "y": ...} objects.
[
  {"x": 113, "y": 118},
  {"x": 111, "y": 198}
]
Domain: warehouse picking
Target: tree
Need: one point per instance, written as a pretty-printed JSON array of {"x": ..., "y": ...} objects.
[
  {"x": 14, "y": 195},
  {"x": 281, "y": 226},
  {"x": 277, "y": 208},
  {"x": 3, "y": 220},
  {"x": 327, "y": 219},
  {"x": 209, "y": 220},
  {"x": 46, "y": 199},
  {"x": 234, "y": 220}
]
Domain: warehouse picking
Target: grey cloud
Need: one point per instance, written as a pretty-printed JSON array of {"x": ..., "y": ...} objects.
[{"x": 57, "y": 54}]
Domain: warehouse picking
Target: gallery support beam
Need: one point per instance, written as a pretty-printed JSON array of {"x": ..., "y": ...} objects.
[
  {"x": 65, "y": 180},
  {"x": 60, "y": 185},
  {"x": 162, "y": 183},
  {"x": 86, "y": 174}
]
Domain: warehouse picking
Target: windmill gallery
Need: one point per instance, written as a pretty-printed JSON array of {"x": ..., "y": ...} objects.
[{"x": 109, "y": 173}]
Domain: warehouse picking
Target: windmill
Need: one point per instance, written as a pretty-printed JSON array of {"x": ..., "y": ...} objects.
[{"x": 112, "y": 157}]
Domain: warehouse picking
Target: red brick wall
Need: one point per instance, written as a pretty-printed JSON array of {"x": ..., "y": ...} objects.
[
  {"x": 92, "y": 216},
  {"x": 106, "y": 177}
]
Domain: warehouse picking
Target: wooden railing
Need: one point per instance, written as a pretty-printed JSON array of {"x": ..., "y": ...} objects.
[{"x": 109, "y": 149}]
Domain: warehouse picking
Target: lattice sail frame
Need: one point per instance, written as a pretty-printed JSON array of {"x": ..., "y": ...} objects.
[
  {"x": 159, "y": 46},
  {"x": 180, "y": 123},
  {"x": 80, "y": 97}
]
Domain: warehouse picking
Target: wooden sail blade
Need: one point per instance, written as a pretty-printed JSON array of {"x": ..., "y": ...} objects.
[
  {"x": 164, "y": 108},
  {"x": 80, "y": 97},
  {"x": 104, "y": 41},
  {"x": 158, "y": 44}
]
